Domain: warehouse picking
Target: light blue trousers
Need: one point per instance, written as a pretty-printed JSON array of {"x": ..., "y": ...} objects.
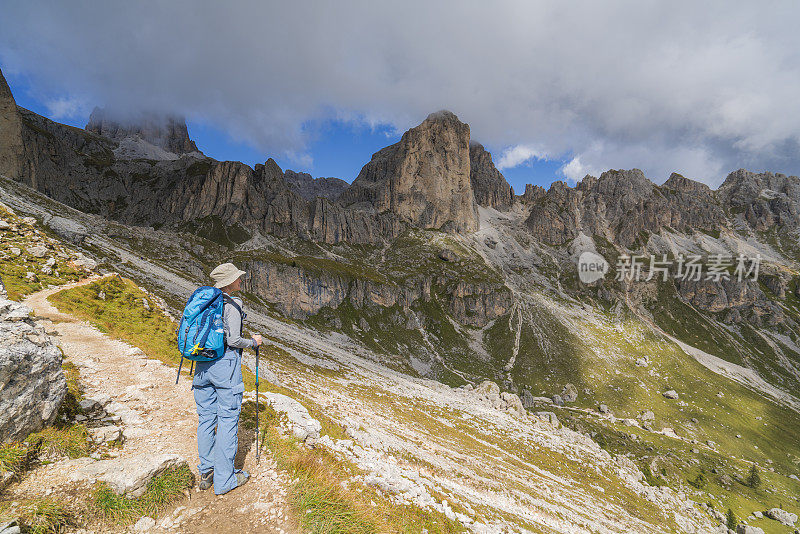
[{"x": 218, "y": 390}]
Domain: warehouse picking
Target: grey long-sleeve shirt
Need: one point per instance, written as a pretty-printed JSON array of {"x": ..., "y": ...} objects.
[{"x": 233, "y": 327}]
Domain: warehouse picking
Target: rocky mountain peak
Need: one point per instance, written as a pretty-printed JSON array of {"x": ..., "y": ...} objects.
[
  {"x": 442, "y": 115},
  {"x": 5, "y": 90},
  {"x": 424, "y": 178},
  {"x": 679, "y": 182},
  {"x": 765, "y": 199},
  {"x": 533, "y": 192},
  {"x": 164, "y": 131}
]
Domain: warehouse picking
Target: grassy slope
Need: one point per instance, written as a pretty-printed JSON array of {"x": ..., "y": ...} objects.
[
  {"x": 601, "y": 355},
  {"x": 14, "y": 269}
]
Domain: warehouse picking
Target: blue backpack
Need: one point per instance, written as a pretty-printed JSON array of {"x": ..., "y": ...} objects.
[{"x": 201, "y": 334}]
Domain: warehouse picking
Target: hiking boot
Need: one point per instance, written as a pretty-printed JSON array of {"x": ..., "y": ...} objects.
[
  {"x": 206, "y": 480},
  {"x": 242, "y": 477}
]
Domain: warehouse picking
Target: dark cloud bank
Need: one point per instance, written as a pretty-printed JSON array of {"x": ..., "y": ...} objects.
[{"x": 700, "y": 89}]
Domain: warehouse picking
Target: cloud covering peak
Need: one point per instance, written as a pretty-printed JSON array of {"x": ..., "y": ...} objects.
[{"x": 701, "y": 89}]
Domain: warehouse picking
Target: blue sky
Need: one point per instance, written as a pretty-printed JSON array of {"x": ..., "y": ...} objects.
[{"x": 336, "y": 148}]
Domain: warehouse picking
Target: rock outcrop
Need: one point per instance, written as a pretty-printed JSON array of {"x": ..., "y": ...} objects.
[
  {"x": 299, "y": 292},
  {"x": 764, "y": 199},
  {"x": 621, "y": 205},
  {"x": 532, "y": 193},
  {"x": 424, "y": 179},
  {"x": 489, "y": 185},
  {"x": 11, "y": 148},
  {"x": 164, "y": 131},
  {"x": 310, "y": 188},
  {"x": 127, "y": 476},
  {"x": 31, "y": 378}
]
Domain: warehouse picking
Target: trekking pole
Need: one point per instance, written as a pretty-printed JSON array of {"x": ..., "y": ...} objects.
[{"x": 258, "y": 452}]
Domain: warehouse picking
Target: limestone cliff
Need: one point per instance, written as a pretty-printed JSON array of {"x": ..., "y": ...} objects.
[
  {"x": 11, "y": 147},
  {"x": 310, "y": 188},
  {"x": 620, "y": 205},
  {"x": 490, "y": 186},
  {"x": 424, "y": 178}
]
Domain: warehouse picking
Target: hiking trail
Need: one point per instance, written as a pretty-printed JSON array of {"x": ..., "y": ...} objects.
[{"x": 157, "y": 417}]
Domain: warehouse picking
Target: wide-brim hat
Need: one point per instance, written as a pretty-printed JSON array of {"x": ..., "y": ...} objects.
[{"x": 226, "y": 274}]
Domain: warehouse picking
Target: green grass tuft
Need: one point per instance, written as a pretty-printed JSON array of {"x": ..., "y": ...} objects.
[
  {"x": 161, "y": 491},
  {"x": 13, "y": 456},
  {"x": 72, "y": 441},
  {"x": 43, "y": 516}
]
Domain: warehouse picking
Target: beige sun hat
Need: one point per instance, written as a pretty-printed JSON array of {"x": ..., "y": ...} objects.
[{"x": 226, "y": 274}]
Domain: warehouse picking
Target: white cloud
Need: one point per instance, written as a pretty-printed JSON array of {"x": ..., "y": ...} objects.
[
  {"x": 661, "y": 86},
  {"x": 517, "y": 155},
  {"x": 575, "y": 170},
  {"x": 66, "y": 108}
]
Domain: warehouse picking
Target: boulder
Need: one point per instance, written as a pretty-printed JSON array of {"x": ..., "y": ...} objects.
[
  {"x": 127, "y": 476},
  {"x": 38, "y": 251},
  {"x": 82, "y": 262},
  {"x": 145, "y": 524},
  {"x": 549, "y": 417},
  {"x": 558, "y": 400},
  {"x": 603, "y": 409},
  {"x": 447, "y": 255},
  {"x": 105, "y": 434},
  {"x": 569, "y": 393},
  {"x": 31, "y": 378},
  {"x": 647, "y": 416},
  {"x": 781, "y": 515},
  {"x": 747, "y": 529},
  {"x": 487, "y": 387},
  {"x": 528, "y": 400},
  {"x": 68, "y": 229},
  {"x": 300, "y": 422},
  {"x": 513, "y": 404},
  {"x": 671, "y": 394}
]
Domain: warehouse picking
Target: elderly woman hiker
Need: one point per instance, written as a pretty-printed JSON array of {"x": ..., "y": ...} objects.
[{"x": 218, "y": 389}]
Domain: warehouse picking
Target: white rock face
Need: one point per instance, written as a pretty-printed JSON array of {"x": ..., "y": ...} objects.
[
  {"x": 779, "y": 514},
  {"x": 128, "y": 476},
  {"x": 105, "y": 433},
  {"x": 31, "y": 380},
  {"x": 145, "y": 524},
  {"x": 67, "y": 228},
  {"x": 37, "y": 250},
  {"x": 489, "y": 393},
  {"x": 302, "y": 425},
  {"x": 747, "y": 529},
  {"x": 83, "y": 262}
]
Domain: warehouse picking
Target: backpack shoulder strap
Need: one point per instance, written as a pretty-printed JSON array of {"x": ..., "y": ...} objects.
[{"x": 228, "y": 300}]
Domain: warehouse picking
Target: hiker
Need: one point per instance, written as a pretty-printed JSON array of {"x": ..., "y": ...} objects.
[{"x": 218, "y": 389}]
